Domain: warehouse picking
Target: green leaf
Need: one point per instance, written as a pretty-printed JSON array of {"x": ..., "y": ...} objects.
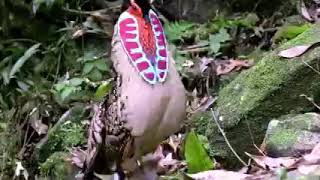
[
  {"x": 217, "y": 39},
  {"x": 95, "y": 75},
  {"x": 5, "y": 75},
  {"x": 289, "y": 32},
  {"x": 59, "y": 86},
  {"x": 16, "y": 67},
  {"x": 87, "y": 67},
  {"x": 249, "y": 21},
  {"x": 88, "y": 56},
  {"x": 23, "y": 86},
  {"x": 102, "y": 90},
  {"x": 204, "y": 141},
  {"x": 177, "y": 30},
  {"x": 66, "y": 93},
  {"x": 75, "y": 81},
  {"x": 196, "y": 156},
  {"x": 101, "y": 64}
]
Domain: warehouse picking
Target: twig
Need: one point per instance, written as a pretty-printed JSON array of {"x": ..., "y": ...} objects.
[
  {"x": 226, "y": 139},
  {"x": 253, "y": 142},
  {"x": 201, "y": 49},
  {"x": 311, "y": 100},
  {"x": 315, "y": 70},
  {"x": 197, "y": 46}
]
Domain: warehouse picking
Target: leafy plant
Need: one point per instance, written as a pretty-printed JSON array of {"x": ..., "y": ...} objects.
[
  {"x": 179, "y": 30},
  {"x": 288, "y": 32},
  {"x": 196, "y": 156},
  {"x": 9, "y": 72},
  {"x": 217, "y": 39},
  {"x": 95, "y": 65},
  {"x": 102, "y": 90},
  {"x": 68, "y": 89},
  {"x": 220, "y": 22},
  {"x": 16, "y": 67}
]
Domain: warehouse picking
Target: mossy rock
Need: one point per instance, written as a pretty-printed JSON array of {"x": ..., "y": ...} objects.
[
  {"x": 270, "y": 89},
  {"x": 293, "y": 135},
  {"x": 57, "y": 167}
]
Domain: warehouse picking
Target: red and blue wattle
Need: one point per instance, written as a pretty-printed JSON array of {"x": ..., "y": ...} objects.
[{"x": 145, "y": 44}]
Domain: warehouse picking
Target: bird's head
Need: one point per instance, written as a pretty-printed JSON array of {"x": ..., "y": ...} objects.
[
  {"x": 141, "y": 3},
  {"x": 141, "y": 6}
]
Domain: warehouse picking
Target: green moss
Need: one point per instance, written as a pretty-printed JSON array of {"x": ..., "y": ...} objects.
[
  {"x": 307, "y": 121},
  {"x": 55, "y": 166},
  {"x": 301, "y": 122},
  {"x": 284, "y": 138},
  {"x": 269, "y": 75},
  {"x": 200, "y": 122},
  {"x": 268, "y": 90}
]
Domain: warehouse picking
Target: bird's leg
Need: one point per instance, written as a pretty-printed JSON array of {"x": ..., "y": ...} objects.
[{"x": 147, "y": 168}]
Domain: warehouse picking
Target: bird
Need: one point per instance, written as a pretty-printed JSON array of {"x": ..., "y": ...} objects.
[{"x": 147, "y": 102}]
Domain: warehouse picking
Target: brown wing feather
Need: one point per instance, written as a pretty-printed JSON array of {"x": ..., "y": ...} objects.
[{"x": 108, "y": 137}]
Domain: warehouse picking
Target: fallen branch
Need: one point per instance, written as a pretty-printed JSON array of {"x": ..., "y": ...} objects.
[
  {"x": 200, "y": 49},
  {"x": 226, "y": 139}
]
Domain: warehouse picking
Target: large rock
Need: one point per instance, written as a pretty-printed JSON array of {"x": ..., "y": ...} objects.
[
  {"x": 270, "y": 89},
  {"x": 204, "y": 10},
  {"x": 292, "y": 135}
]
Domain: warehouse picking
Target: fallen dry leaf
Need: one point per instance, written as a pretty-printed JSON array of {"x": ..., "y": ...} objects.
[
  {"x": 305, "y": 12},
  {"x": 226, "y": 66},
  {"x": 218, "y": 175},
  {"x": 313, "y": 157},
  {"x": 39, "y": 127},
  {"x": 202, "y": 104},
  {"x": 309, "y": 169},
  {"x": 274, "y": 163},
  {"x": 78, "y": 157},
  {"x": 175, "y": 141},
  {"x": 205, "y": 61},
  {"x": 312, "y": 13},
  {"x": 169, "y": 164},
  {"x": 294, "y": 51},
  {"x": 297, "y": 50},
  {"x": 316, "y": 150}
]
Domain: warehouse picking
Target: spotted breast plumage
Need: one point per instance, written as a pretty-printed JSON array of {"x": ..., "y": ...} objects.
[{"x": 147, "y": 103}]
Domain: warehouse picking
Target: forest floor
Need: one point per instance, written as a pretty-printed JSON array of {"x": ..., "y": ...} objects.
[{"x": 54, "y": 69}]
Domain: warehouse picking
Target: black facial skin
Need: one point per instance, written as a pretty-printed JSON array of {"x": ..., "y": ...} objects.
[{"x": 143, "y": 4}]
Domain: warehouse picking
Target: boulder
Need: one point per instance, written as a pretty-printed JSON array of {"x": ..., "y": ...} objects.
[
  {"x": 293, "y": 135},
  {"x": 204, "y": 10},
  {"x": 270, "y": 89}
]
